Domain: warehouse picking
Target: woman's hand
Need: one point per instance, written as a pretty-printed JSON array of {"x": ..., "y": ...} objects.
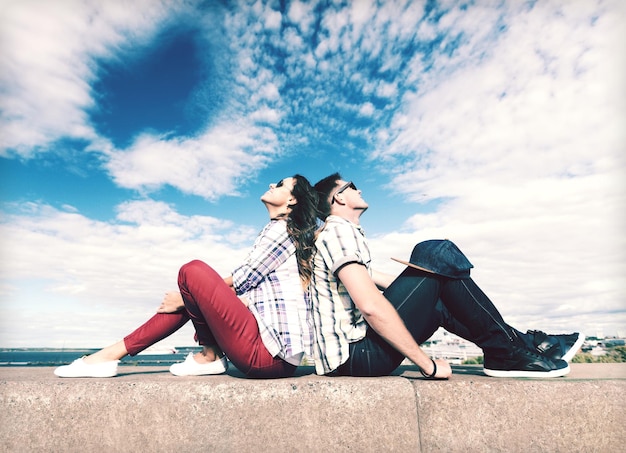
[
  {"x": 172, "y": 302},
  {"x": 229, "y": 281}
]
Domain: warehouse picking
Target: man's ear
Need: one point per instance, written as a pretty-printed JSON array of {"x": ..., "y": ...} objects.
[{"x": 339, "y": 200}]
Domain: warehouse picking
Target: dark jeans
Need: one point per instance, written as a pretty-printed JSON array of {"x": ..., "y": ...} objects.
[{"x": 426, "y": 302}]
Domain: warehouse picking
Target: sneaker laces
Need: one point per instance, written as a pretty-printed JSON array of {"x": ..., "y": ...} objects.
[
  {"x": 544, "y": 342},
  {"x": 533, "y": 353}
]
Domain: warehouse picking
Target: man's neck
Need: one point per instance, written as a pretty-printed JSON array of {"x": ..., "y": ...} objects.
[{"x": 353, "y": 215}]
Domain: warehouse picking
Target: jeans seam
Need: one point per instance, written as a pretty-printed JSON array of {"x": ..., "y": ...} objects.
[
  {"x": 487, "y": 311},
  {"x": 410, "y": 293}
]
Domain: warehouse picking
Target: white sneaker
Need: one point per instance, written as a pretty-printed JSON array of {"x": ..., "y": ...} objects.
[
  {"x": 78, "y": 368},
  {"x": 192, "y": 368}
]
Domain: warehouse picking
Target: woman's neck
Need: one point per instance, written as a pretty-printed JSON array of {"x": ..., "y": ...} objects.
[{"x": 277, "y": 212}]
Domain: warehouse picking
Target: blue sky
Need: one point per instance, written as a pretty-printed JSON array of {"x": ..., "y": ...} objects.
[{"x": 136, "y": 136}]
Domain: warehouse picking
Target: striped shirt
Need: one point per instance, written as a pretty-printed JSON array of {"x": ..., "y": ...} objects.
[
  {"x": 269, "y": 279},
  {"x": 337, "y": 321}
]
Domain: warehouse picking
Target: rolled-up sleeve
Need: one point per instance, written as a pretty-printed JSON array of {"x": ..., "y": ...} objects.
[{"x": 342, "y": 246}]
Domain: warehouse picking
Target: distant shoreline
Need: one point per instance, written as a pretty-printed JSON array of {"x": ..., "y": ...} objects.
[{"x": 31, "y": 357}]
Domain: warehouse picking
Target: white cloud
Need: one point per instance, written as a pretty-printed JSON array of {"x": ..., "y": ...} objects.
[
  {"x": 387, "y": 90},
  {"x": 367, "y": 109},
  {"x": 523, "y": 136},
  {"x": 543, "y": 100},
  {"x": 48, "y": 62},
  {"x": 549, "y": 253},
  {"x": 209, "y": 165},
  {"x": 104, "y": 278},
  {"x": 301, "y": 13},
  {"x": 273, "y": 19},
  {"x": 50, "y": 53}
]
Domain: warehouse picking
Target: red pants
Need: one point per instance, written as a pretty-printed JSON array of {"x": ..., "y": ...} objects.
[
  {"x": 160, "y": 326},
  {"x": 219, "y": 318}
]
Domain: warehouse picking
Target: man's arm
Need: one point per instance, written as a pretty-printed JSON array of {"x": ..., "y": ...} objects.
[{"x": 384, "y": 319}]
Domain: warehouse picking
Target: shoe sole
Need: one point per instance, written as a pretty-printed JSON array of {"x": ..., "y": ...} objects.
[
  {"x": 82, "y": 370},
  {"x": 569, "y": 355},
  {"x": 92, "y": 375},
  {"x": 198, "y": 374},
  {"x": 173, "y": 370},
  {"x": 531, "y": 374}
]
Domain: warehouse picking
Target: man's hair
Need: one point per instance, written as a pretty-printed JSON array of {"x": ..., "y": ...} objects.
[{"x": 324, "y": 188}]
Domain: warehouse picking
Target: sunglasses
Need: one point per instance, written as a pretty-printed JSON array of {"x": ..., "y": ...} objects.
[{"x": 349, "y": 185}]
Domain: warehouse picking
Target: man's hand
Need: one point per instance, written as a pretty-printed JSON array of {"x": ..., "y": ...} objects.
[
  {"x": 444, "y": 371},
  {"x": 172, "y": 302}
]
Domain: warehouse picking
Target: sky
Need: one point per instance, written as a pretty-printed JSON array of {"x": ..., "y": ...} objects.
[{"x": 136, "y": 136}]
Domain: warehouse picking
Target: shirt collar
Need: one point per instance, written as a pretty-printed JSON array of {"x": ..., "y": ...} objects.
[{"x": 337, "y": 219}]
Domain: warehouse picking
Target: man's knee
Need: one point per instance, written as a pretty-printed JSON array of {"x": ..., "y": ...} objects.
[{"x": 441, "y": 257}]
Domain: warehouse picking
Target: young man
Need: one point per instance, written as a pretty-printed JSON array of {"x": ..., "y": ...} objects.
[{"x": 360, "y": 331}]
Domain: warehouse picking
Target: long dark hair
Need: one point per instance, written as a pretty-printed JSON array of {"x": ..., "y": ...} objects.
[
  {"x": 301, "y": 226},
  {"x": 324, "y": 188}
]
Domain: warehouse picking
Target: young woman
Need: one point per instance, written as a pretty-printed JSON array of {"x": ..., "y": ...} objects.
[{"x": 258, "y": 317}]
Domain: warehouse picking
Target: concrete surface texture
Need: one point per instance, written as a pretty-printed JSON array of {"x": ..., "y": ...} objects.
[{"x": 148, "y": 409}]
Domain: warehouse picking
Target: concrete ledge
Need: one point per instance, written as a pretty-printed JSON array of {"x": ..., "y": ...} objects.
[{"x": 147, "y": 409}]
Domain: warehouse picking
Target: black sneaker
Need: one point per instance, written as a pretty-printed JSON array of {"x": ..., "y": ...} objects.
[
  {"x": 555, "y": 347},
  {"x": 524, "y": 363}
]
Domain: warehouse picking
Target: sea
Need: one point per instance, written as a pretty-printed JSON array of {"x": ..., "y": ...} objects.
[{"x": 24, "y": 357}]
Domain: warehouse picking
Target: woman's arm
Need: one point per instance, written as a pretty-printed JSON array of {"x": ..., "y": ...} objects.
[
  {"x": 172, "y": 302},
  {"x": 271, "y": 249}
]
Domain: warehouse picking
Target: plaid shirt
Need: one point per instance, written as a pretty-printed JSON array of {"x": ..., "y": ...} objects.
[
  {"x": 269, "y": 279},
  {"x": 337, "y": 321}
]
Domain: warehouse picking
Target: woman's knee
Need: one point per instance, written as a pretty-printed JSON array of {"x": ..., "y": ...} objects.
[
  {"x": 193, "y": 265},
  {"x": 195, "y": 268}
]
